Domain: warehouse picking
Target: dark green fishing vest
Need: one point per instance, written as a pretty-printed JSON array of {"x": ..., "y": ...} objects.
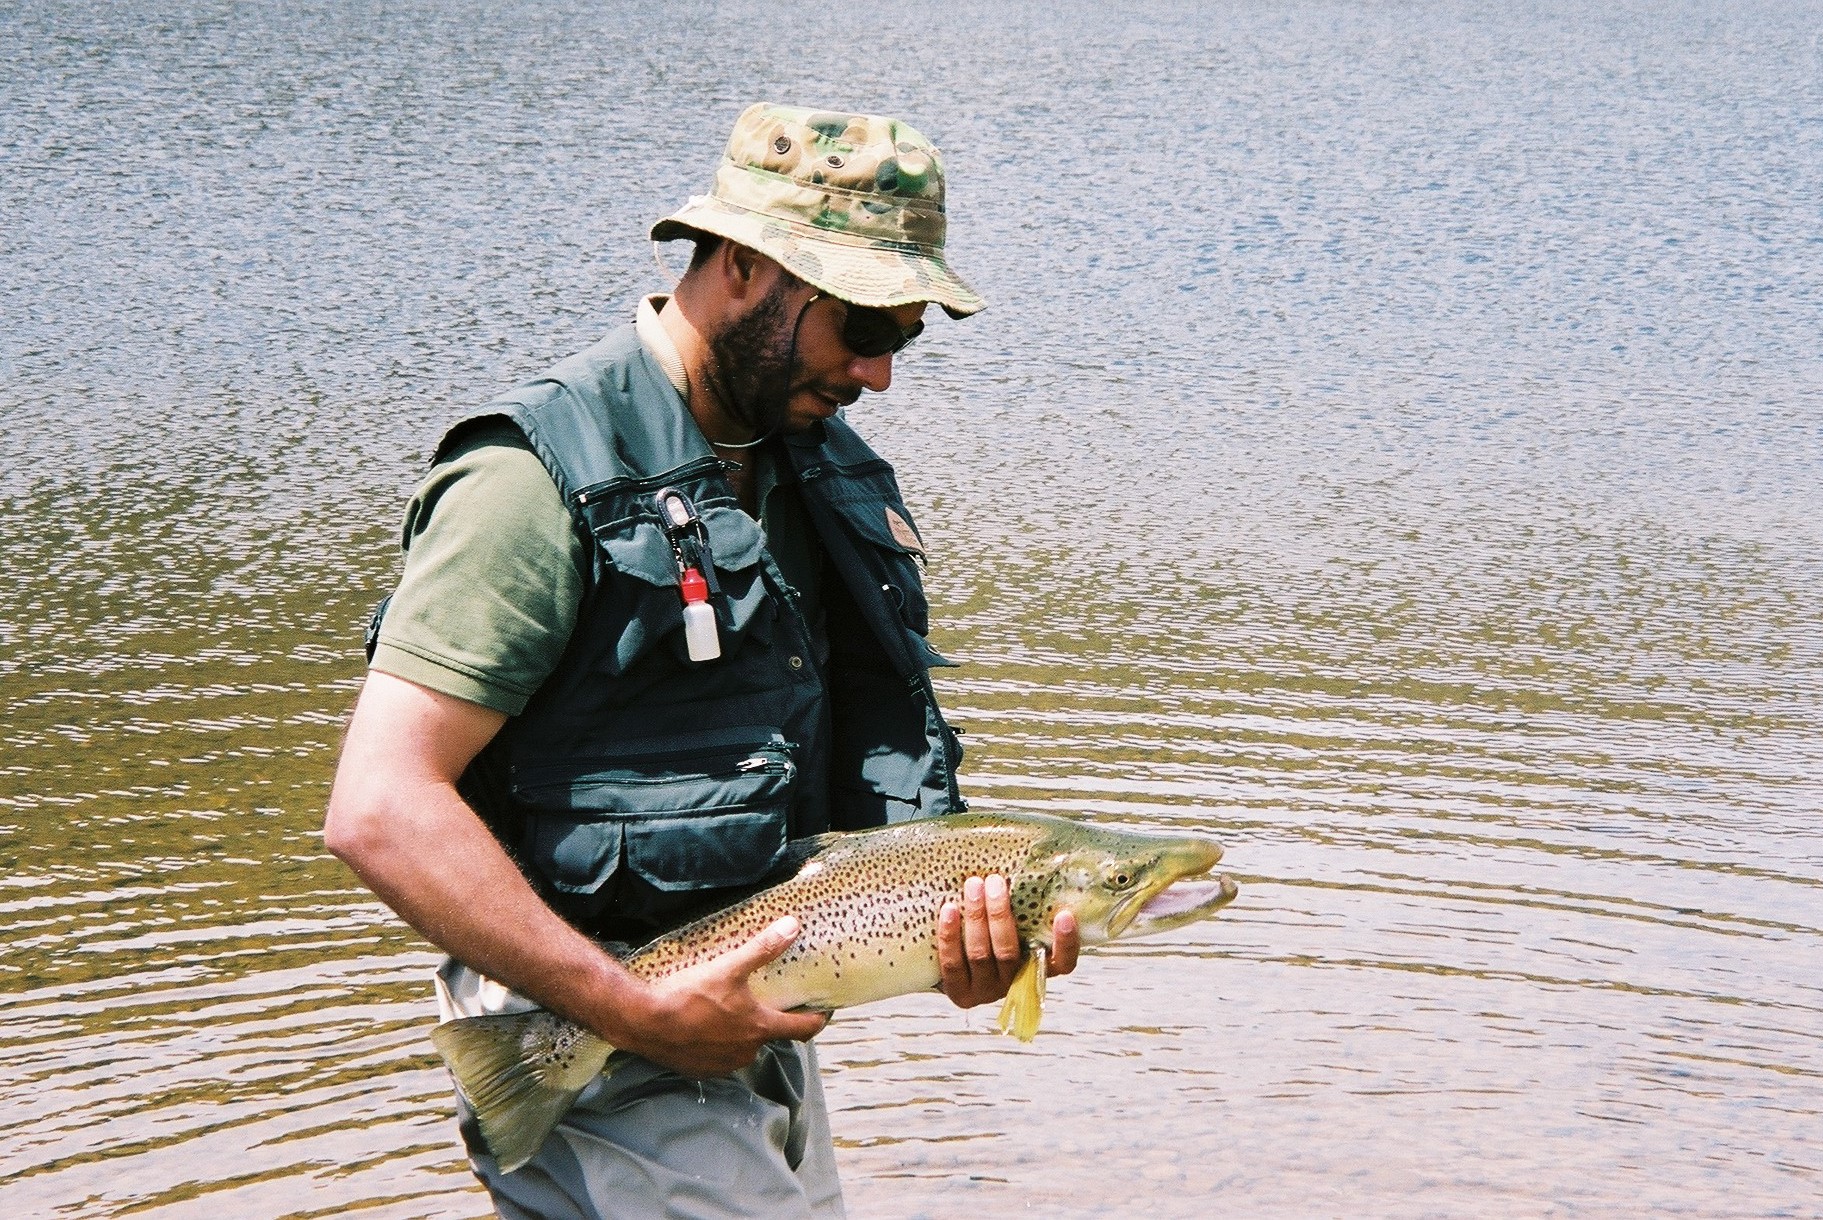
[{"x": 637, "y": 783}]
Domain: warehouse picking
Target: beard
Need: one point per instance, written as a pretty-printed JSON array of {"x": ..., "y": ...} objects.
[{"x": 752, "y": 363}]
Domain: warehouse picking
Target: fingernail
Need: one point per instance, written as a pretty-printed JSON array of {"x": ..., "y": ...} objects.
[
  {"x": 1066, "y": 921},
  {"x": 971, "y": 889},
  {"x": 786, "y": 926},
  {"x": 996, "y": 886}
]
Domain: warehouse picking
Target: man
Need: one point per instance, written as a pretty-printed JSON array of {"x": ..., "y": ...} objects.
[{"x": 545, "y": 758}]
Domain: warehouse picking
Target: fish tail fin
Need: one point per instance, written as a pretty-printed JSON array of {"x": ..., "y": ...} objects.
[
  {"x": 1023, "y": 1008},
  {"x": 518, "y": 1094}
]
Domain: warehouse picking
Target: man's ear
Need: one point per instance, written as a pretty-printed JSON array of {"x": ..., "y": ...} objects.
[{"x": 740, "y": 266}]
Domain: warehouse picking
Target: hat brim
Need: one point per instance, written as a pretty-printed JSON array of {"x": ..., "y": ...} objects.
[{"x": 859, "y": 271}]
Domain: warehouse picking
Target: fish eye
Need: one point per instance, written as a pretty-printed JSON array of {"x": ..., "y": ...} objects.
[{"x": 1116, "y": 877}]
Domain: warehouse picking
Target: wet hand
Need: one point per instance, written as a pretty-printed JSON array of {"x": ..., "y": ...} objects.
[
  {"x": 706, "y": 1021},
  {"x": 979, "y": 948}
]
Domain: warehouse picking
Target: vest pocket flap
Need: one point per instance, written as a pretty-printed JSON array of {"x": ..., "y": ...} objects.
[
  {"x": 710, "y": 852},
  {"x": 733, "y": 535},
  {"x": 642, "y": 551},
  {"x": 893, "y": 552},
  {"x": 578, "y": 857},
  {"x": 886, "y": 524}
]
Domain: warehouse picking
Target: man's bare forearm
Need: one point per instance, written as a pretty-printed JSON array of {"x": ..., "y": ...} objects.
[{"x": 425, "y": 854}]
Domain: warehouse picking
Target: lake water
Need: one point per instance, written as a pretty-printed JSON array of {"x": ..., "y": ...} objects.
[{"x": 1395, "y": 446}]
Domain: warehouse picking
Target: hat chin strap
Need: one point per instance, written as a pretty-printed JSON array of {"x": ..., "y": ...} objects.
[{"x": 659, "y": 259}]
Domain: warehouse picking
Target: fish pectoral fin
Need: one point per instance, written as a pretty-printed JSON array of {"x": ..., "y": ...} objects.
[
  {"x": 518, "y": 1083},
  {"x": 1023, "y": 1008}
]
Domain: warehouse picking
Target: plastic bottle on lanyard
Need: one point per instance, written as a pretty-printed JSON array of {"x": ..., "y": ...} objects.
[{"x": 700, "y": 634}]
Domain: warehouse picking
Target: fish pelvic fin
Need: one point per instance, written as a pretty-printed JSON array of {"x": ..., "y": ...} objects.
[
  {"x": 1023, "y": 1008},
  {"x": 519, "y": 1072}
]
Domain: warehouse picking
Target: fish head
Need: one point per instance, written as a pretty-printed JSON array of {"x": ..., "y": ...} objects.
[{"x": 1121, "y": 884}]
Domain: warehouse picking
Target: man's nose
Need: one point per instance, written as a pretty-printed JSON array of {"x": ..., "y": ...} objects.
[{"x": 874, "y": 372}]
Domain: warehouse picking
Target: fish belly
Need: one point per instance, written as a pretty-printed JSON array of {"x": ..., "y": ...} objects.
[
  {"x": 848, "y": 975},
  {"x": 861, "y": 940}
]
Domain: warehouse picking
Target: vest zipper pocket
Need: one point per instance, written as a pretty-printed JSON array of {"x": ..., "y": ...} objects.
[
  {"x": 705, "y": 812},
  {"x": 683, "y": 767}
]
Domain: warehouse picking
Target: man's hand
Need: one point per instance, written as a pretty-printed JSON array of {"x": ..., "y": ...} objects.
[
  {"x": 978, "y": 949},
  {"x": 706, "y": 1021}
]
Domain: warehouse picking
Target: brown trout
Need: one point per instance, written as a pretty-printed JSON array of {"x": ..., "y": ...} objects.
[{"x": 868, "y": 903}]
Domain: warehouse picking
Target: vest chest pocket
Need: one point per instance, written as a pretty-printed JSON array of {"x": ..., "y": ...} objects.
[
  {"x": 638, "y": 579},
  {"x": 663, "y": 818},
  {"x": 890, "y": 541}
]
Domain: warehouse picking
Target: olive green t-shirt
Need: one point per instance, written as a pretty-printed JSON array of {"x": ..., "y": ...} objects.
[
  {"x": 494, "y": 570},
  {"x": 493, "y": 576}
]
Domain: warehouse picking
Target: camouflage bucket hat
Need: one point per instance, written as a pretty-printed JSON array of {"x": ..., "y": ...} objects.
[{"x": 849, "y": 203}]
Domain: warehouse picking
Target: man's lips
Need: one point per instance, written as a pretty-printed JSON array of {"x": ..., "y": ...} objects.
[{"x": 833, "y": 401}]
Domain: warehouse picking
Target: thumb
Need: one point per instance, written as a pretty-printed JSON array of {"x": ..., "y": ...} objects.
[{"x": 767, "y": 946}]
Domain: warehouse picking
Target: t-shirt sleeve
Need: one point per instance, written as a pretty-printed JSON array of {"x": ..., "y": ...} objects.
[{"x": 492, "y": 579}]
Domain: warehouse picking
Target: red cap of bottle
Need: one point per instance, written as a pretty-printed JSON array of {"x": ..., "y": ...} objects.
[{"x": 695, "y": 588}]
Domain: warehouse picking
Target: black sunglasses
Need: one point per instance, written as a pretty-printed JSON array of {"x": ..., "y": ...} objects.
[{"x": 872, "y": 332}]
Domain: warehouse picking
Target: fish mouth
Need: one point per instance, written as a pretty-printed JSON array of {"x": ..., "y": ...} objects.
[
  {"x": 1191, "y": 894},
  {"x": 1185, "y": 900}
]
